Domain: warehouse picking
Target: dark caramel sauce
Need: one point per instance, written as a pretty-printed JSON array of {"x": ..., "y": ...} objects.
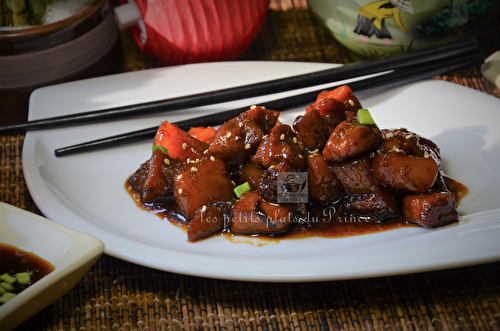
[
  {"x": 14, "y": 260},
  {"x": 321, "y": 223}
]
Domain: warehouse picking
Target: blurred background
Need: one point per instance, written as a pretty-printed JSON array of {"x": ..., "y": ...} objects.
[{"x": 332, "y": 31}]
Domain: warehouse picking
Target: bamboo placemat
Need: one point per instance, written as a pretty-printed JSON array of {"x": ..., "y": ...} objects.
[{"x": 117, "y": 295}]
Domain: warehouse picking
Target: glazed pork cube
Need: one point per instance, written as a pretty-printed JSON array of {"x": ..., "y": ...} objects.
[
  {"x": 250, "y": 173},
  {"x": 202, "y": 183},
  {"x": 406, "y": 162},
  {"x": 404, "y": 172},
  {"x": 280, "y": 145},
  {"x": 208, "y": 220},
  {"x": 430, "y": 210},
  {"x": 158, "y": 183},
  {"x": 351, "y": 139},
  {"x": 253, "y": 215},
  {"x": 228, "y": 144},
  {"x": 268, "y": 185},
  {"x": 324, "y": 186},
  {"x": 237, "y": 139},
  {"x": 311, "y": 130},
  {"x": 366, "y": 195}
]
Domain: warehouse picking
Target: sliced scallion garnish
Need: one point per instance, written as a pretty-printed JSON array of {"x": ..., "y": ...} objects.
[
  {"x": 8, "y": 278},
  {"x": 240, "y": 189},
  {"x": 161, "y": 148},
  {"x": 364, "y": 117},
  {"x": 7, "y": 286},
  {"x": 7, "y": 297},
  {"x": 24, "y": 278}
]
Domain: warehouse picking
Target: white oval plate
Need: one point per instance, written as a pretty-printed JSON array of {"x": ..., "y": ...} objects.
[{"x": 86, "y": 191}]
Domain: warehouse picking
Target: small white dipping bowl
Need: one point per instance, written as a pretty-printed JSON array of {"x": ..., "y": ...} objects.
[{"x": 71, "y": 252}]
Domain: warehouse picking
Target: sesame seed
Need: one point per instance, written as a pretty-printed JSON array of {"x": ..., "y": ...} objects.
[
  {"x": 295, "y": 139},
  {"x": 247, "y": 146},
  {"x": 272, "y": 166},
  {"x": 253, "y": 107},
  {"x": 311, "y": 156},
  {"x": 228, "y": 135},
  {"x": 282, "y": 137},
  {"x": 351, "y": 102},
  {"x": 240, "y": 124},
  {"x": 184, "y": 146},
  {"x": 180, "y": 191},
  {"x": 232, "y": 182},
  {"x": 194, "y": 169},
  {"x": 212, "y": 158},
  {"x": 426, "y": 155},
  {"x": 167, "y": 161},
  {"x": 205, "y": 151},
  {"x": 408, "y": 136},
  {"x": 204, "y": 208},
  {"x": 300, "y": 156},
  {"x": 188, "y": 160},
  {"x": 179, "y": 177}
]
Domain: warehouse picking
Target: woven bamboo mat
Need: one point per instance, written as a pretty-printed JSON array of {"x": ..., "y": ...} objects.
[{"x": 117, "y": 295}]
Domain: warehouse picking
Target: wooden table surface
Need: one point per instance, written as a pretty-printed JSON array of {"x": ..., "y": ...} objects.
[{"x": 118, "y": 295}]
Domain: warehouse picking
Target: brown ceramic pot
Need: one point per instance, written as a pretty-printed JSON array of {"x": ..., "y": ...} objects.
[{"x": 66, "y": 50}]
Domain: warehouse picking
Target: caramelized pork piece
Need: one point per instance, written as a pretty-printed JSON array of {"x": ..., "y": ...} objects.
[
  {"x": 430, "y": 210},
  {"x": 250, "y": 173},
  {"x": 158, "y": 183},
  {"x": 199, "y": 184},
  {"x": 350, "y": 139},
  {"x": 410, "y": 143},
  {"x": 268, "y": 185},
  {"x": 237, "y": 139},
  {"x": 253, "y": 215},
  {"x": 311, "y": 130},
  {"x": 366, "y": 195},
  {"x": 405, "y": 172},
  {"x": 137, "y": 179},
  {"x": 208, "y": 220},
  {"x": 280, "y": 146},
  {"x": 179, "y": 143},
  {"x": 324, "y": 186},
  {"x": 406, "y": 162}
]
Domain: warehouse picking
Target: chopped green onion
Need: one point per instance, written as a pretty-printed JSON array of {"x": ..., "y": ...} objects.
[
  {"x": 6, "y": 297},
  {"x": 24, "y": 278},
  {"x": 240, "y": 189},
  {"x": 2, "y": 290},
  {"x": 364, "y": 117},
  {"x": 8, "y": 278},
  {"x": 7, "y": 286},
  {"x": 161, "y": 148}
]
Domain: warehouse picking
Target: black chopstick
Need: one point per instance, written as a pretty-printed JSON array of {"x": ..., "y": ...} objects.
[
  {"x": 353, "y": 70},
  {"x": 395, "y": 78}
]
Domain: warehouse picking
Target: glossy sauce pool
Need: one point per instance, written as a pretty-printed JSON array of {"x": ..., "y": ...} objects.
[{"x": 322, "y": 222}]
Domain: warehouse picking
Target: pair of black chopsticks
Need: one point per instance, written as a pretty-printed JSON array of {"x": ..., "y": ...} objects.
[{"x": 402, "y": 68}]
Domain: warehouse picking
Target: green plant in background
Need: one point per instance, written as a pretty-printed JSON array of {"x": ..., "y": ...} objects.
[
  {"x": 456, "y": 18},
  {"x": 20, "y": 13}
]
